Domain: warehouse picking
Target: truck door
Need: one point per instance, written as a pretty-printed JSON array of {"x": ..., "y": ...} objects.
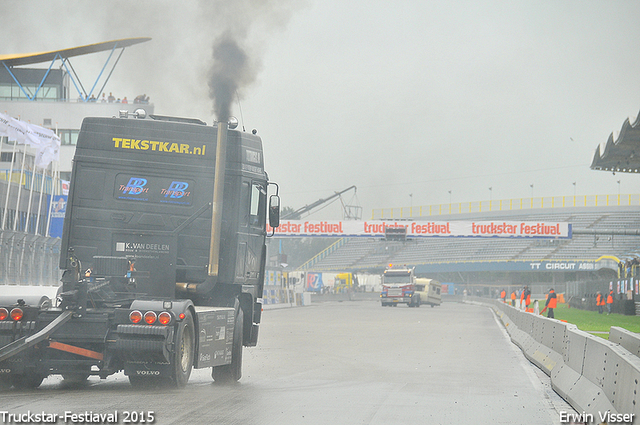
[{"x": 251, "y": 244}]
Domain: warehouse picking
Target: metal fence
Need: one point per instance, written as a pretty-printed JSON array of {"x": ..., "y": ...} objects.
[
  {"x": 507, "y": 205},
  {"x": 27, "y": 259}
]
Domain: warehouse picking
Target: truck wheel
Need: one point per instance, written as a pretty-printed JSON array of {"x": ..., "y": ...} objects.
[
  {"x": 232, "y": 372},
  {"x": 184, "y": 351},
  {"x": 27, "y": 381}
]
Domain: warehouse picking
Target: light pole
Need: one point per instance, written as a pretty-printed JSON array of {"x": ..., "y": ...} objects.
[{"x": 411, "y": 205}]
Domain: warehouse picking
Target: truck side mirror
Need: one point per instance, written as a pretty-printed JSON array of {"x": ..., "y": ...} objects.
[{"x": 274, "y": 211}]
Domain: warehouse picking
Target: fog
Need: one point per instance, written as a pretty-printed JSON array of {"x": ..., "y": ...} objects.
[{"x": 415, "y": 103}]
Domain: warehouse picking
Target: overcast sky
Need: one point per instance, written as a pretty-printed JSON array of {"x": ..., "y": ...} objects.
[{"x": 407, "y": 100}]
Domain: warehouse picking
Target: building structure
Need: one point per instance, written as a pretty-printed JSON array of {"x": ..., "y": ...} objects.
[{"x": 44, "y": 89}]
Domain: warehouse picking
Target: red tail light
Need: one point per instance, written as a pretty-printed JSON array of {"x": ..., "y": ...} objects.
[
  {"x": 164, "y": 318},
  {"x": 16, "y": 314},
  {"x": 4, "y": 313},
  {"x": 150, "y": 317},
  {"x": 135, "y": 316}
]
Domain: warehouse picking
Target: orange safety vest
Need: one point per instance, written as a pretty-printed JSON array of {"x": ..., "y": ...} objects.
[
  {"x": 610, "y": 298},
  {"x": 599, "y": 299},
  {"x": 513, "y": 295},
  {"x": 503, "y": 294},
  {"x": 552, "y": 300}
]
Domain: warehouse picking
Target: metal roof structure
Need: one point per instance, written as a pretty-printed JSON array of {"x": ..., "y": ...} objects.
[
  {"x": 64, "y": 55},
  {"x": 621, "y": 153}
]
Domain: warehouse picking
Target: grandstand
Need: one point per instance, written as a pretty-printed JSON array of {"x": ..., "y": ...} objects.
[{"x": 593, "y": 251}]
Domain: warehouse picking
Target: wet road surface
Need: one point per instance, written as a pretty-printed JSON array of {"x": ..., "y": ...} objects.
[{"x": 337, "y": 363}]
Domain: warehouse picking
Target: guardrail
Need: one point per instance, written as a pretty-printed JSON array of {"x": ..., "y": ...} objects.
[
  {"x": 597, "y": 377},
  {"x": 508, "y": 205}
]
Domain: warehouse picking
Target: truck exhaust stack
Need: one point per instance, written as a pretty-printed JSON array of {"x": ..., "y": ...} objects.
[{"x": 218, "y": 192}]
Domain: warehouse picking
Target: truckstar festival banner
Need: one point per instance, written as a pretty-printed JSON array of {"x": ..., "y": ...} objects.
[{"x": 422, "y": 229}]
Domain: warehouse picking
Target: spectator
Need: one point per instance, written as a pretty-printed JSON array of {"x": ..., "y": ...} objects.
[
  {"x": 92, "y": 98},
  {"x": 124, "y": 100},
  {"x": 103, "y": 99},
  {"x": 609, "y": 301},
  {"x": 600, "y": 302},
  {"x": 143, "y": 98},
  {"x": 111, "y": 98},
  {"x": 552, "y": 301}
]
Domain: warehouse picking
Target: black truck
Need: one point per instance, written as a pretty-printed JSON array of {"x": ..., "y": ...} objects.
[{"x": 163, "y": 257}]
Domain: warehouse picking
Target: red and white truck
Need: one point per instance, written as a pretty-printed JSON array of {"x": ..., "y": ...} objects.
[{"x": 398, "y": 287}]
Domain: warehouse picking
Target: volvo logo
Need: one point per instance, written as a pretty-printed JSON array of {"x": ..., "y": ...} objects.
[{"x": 148, "y": 372}]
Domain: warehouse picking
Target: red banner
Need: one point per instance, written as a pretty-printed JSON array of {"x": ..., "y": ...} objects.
[{"x": 421, "y": 229}]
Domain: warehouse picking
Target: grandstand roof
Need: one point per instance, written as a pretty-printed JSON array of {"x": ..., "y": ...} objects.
[
  {"x": 621, "y": 153},
  {"x": 10, "y": 62},
  {"x": 33, "y": 58}
]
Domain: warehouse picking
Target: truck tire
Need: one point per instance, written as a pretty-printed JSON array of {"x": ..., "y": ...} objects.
[
  {"x": 232, "y": 372},
  {"x": 185, "y": 345}
]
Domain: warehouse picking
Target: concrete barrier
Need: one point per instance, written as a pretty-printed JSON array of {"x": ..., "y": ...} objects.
[
  {"x": 627, "y": 339},
  {"x": 594, "y": 375}
]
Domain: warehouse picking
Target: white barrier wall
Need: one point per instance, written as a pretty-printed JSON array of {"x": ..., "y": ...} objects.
[{"x": 594, "y": 375}]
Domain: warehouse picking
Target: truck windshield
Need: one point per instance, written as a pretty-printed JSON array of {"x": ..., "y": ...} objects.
[{"x": 403, "y": 278}]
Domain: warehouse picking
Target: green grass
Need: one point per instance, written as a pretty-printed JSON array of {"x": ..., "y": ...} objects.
[{"x": 592, "y": 321}]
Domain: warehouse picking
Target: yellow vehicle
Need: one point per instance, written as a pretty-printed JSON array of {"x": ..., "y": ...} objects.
[
  {"x": 429, "y": 291},
  {"x": 345, "y": 282}
]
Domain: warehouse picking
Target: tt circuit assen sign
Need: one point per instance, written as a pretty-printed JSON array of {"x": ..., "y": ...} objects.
[{"x": 422, "y": 229}]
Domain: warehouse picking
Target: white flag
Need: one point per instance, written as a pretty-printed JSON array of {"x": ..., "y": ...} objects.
[
  {"x": 17, "y": 130},
  {"x": 46, "y": 154},
  {"x": 4, "y": 124},
  {"x": 40, "y": 136}
]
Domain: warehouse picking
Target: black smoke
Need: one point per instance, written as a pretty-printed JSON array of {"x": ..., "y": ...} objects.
[{"x": 231, "y": 71}]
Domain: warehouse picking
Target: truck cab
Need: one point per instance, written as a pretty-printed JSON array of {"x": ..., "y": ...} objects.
[
  {"x": 163, "y": 255},
  {"x": 398, "y": 287}
]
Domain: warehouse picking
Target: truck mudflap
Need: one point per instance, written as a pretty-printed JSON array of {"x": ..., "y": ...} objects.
[
  {"x": 148, "y": 343},
  {"x": 215, "y": 336}
]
